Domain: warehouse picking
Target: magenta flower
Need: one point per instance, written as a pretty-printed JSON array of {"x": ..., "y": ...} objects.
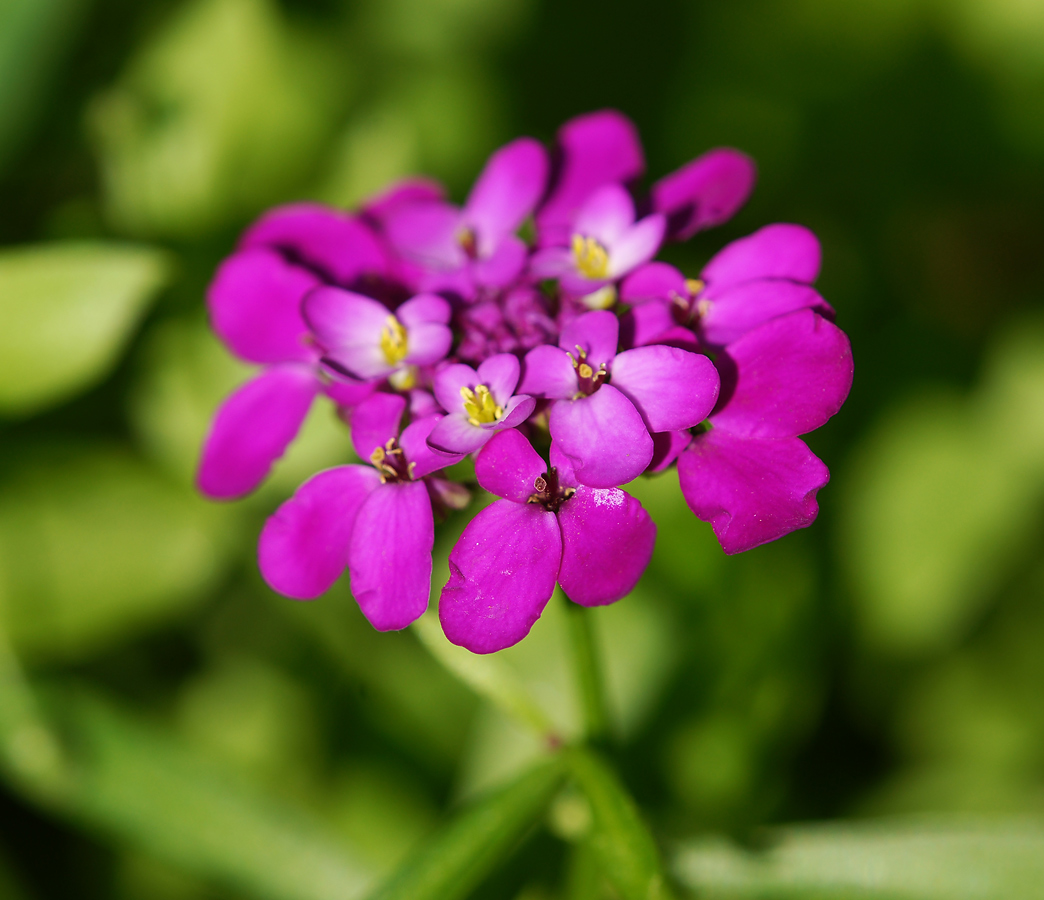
[
  {"x": 705, "y": 192},
  {"x": 750, "y": 475},
  {"x": 767, "y": 274},
  {"x": 363, "y": 339},
  {"x": 479, "y": 404},
  {"x": 595, "y": 149},
  {"x": 548, "y": 528},
  {"x": 606, "y": 404},
  {"x": 605, "y": 244},
  {"x": 463, "y": 249},
  {"x": 518, "y": 319},
  {"x": 255, "y": 308},
  {"x": 375, "y": 520}
]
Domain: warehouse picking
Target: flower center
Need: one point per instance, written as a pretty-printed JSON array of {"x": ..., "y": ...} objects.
[
  {"x": 592, "y": 259},
  {"x": 480, "y": 405},
  {"x": 687, "y": 308},
  {"x": 548, "y": 492},
  {"x": 393, "y": 341},
  {"x": 468, "y": 242},
  {"x": 589, "y": 379},
  {"x": 390, "y": 461}
]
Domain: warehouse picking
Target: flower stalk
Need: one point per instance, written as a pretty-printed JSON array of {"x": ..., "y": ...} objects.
[{"x": 588, "y": 669}]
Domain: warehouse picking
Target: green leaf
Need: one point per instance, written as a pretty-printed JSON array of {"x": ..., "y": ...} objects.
[
  {"x": 457, "y": 859},
  {"x": 147, "y": 791},
  {"x": 911, "y": 859},
  {"x": 619, "y": 838},
  {"x": 222, "y": 113},
  {"x": 33, "y": 37},
  {"x": 66, "y": 312},
  {"x": 99, "y": 547},
  {"x": 489, "y": 676},
  {"x": 943, "y": 501}
]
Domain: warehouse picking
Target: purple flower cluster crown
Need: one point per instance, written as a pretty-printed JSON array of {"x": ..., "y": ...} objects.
[{"x": 531, "y": 329}]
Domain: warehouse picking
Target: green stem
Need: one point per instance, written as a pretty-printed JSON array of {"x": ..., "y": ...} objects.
[{"x": 588, "y": 673}]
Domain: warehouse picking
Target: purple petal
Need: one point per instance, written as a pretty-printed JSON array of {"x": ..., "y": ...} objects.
[
  {"x": 455, "y": 434},
  {"x": 348, "y": 327},
  {"x": 500, "y": 374},
  {"x": 551, "y": 262},
  {"x": 516, "y": 411},
  {"x": 564, "y": 465},
  {"x": 667, "y": 445},
  {"x": 671, "y": 388},
  {"x": 502, "y": 573},
  {"x": 253, "y": 428},
  {"x": 607, "y": 541},
  {"x": 389, "y": 557},
  {"x": 347, "y": 392},
  {"x": 423, "y": 458},
  {"x": 704, "y": 193},
  {"x": 775, "y": 251},
  {"x": 606, "y": 215},
  {"x": 503, "y": 266},
  {"x": 604, "y": 437},
  {"x": 751, "y": 491},
  {"x": 595, "y": 149},
  {"x": 596, "y": 333},
  {"x": 304, "y": 545},
  {"x": 743, "y": 307},
  {"x": 653, "y": 281},
  {"x": 785, "y": 378},
  {"x": 428, "y": 344},
  {"x": 427, "y": 233},
  {"x": 507, "y": 191},
  {"x": 548, "y": 372},
  {"x": 448, "y": 382},
  {"x": 255, "y": 306},
  {"x": 508, "y": 466},
  {"x": 407, "y": 192},
  {"x": 339, "y": 246},
  {"x": 652, "y": 322},
  {"x": 424, "y": 309},
  {"x": 637, "y": 245},
  {"x": 422, "y": 404},
  {"x": 375, "y": 421}
]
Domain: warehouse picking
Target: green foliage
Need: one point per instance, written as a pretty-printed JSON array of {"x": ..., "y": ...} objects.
[
  {"x": 98, "y": 548},
  {"x": 618, "y": 838},
  {"x": 458, "y": 858},
  {"x": 946, "y": 501},
  {"x": 926, "y": 859},
  {"x": 67, "y": 312},
  {"x": 148, "y": 790},
  {"x": 34, "y": 36},
  {"x": 222, "y": 112}
]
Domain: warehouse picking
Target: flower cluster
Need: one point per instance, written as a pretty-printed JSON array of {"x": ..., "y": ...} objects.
[{"x": 532, "y": 330}]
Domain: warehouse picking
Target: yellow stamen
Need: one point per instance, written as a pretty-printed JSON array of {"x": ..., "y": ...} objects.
[
  {"x": 592, "y": 259},
  {"x": 584, "y": 370},
  {"x": 480, "y": 405},
  {"x": 693, "y": 286},
  {"x": 393, "y": 341},
  {"x": 377, "y": 457},
  {"x": 468, "y": 242},
  {"x": 404, "y": 379}
]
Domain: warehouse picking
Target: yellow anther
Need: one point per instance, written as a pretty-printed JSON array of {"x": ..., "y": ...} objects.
[
  {"x": 584, "y": 370},
  {"x": 404, "y": 379},
  {"x": 377, "y": 457},
  {"x": 703, "y": 307},
  {"x": 480, "y": 405},
  {"x": 592, "y": 259},
  {"x": 693, "y": 286},
  {"x": 393, "y": 341},
  {"x": 468, "y": 242}
]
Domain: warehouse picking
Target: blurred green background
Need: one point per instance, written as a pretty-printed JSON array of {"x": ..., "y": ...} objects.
[{"x": 171, "y": 730}]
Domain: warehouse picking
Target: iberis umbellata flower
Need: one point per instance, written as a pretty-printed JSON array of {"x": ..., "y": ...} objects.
[{"x": 531, "y": 329}]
